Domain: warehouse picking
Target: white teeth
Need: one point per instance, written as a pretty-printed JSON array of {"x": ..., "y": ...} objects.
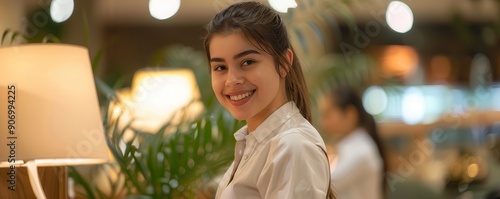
[{"x": 240, "y": 96}]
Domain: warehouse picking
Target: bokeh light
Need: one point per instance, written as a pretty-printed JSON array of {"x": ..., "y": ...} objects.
[
  {"x": 399, "y": 17},
  {"x": 282, "y": 5},
  {"x": 413, "y": 106},
  {"x": 375, "y": 100},
  {"x": 163, "y": 9},
  {"x": 61, "y": 10}
]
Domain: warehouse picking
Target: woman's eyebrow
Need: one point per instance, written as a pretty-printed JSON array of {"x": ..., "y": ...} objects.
[
  {"x": 246, "y": 52},
  {"x": 237, "y": 56}
]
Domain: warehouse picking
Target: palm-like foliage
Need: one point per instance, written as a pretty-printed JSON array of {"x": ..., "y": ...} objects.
[
  {"x": 161, "y": 165},
  {"x": 174, "y": 165}
]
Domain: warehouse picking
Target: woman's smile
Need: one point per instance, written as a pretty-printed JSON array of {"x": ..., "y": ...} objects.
[{"x": 240, "y": 98}]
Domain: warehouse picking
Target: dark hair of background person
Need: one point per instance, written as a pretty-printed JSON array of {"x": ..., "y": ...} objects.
[
  {"x": 493, "y": 194},
  {"x": 266, "y": 30},
  {"x": 344, "y": 97}
]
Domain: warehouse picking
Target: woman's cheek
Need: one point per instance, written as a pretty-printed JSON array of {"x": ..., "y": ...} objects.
[{"x": 217, "y": 84}]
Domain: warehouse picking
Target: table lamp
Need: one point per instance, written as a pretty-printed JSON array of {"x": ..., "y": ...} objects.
[{"x": 49, "y": 112}]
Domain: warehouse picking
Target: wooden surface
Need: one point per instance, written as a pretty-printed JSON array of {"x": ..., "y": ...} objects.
[{"x": 53, "y": 180}]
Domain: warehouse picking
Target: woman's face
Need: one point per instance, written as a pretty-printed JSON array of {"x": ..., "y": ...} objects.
[
  {"x": 335, "y": 121},
  {"x": 244, "y": 78}
]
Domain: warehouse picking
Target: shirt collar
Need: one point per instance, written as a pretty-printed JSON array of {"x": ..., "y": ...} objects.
[
  {"x": 241, "y": 134},
  {"x": 275, "y": 120}
]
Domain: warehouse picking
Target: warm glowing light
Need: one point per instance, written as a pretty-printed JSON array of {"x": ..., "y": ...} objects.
[
  {"x": 159, "y": 96},
  {"x": 472, "y": 170},
  {"x": 282, "y": 5},
  {"x": 413, "y": 106},
  {"x": 163, "y": 9},
  {"x": 375, "y": 100},
  {"x": 52, "y": 106},
  {"x": 399, "y": 17},
  {"x": 398, "y": 61},
  {"x": 60, "y": 129},
  {"x": 61, "y": 10}
]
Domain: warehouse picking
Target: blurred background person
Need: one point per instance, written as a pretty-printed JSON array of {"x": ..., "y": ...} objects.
[{"x": 357, "y": 164}]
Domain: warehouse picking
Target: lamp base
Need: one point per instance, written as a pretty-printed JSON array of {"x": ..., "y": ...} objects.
[{"x": 54, "y": 181}]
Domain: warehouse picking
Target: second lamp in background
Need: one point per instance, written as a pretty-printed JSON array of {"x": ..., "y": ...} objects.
[{"x": 160, "y": 96}]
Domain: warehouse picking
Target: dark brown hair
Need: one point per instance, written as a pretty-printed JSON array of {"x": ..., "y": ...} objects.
[
  {"x": 263, "y": 26},
  {"x": 344, "y": 97}
]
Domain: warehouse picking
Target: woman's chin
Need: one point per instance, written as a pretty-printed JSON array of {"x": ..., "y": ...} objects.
[{"x": 239, "y": 116}]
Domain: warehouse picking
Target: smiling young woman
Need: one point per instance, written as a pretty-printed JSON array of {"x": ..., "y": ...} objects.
[
  {"x": 244, "y": 79},
  {"x": 257, "y": 77}
]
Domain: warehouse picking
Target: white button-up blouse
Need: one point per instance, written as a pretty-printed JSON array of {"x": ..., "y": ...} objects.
[{"x": 283, "y": 158}]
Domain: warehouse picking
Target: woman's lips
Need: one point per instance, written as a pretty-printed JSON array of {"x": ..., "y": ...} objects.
[{"x": 240, "y": 98}]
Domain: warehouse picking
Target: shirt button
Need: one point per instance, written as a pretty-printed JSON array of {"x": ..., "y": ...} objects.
[{"x": 245, "y": 157}]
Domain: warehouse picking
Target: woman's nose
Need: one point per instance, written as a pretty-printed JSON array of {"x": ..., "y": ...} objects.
[{"x": 235, "y": 77}]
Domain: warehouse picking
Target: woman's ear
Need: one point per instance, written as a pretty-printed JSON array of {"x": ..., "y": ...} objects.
[{"x": 289, "y": 61}]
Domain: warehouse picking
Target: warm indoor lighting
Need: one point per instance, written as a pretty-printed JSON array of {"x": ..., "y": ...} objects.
[
  {"x": 398, "y": 61},
  {"x": 61, "y": 10},
  {"x": 399, "y": 17},
  {"x": 163, "y": 9},
  {"x": 472, "y": 170},
  {"x": 158, "y": 96},
  {"x": 282, "y": 5},
  {"x": 49, "y": 113}
]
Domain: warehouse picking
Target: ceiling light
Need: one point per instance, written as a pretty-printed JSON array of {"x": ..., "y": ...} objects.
[
  {"x": 61, "y": 10},
  {"x": 399, "y": 17},
  {"x": 282, "y": 5},
  {"x": 163, "y": 9}
]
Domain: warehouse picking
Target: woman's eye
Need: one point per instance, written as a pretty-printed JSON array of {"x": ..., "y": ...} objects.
[
  {"x": 219, "y": 68},
  {"x": 248, "y": 62}
]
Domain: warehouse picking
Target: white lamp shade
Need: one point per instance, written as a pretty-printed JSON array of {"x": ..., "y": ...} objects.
[{"x": 57, "y": 119}]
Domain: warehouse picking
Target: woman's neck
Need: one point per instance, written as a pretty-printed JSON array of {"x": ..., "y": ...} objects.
[{"x": 254, "y": 122}]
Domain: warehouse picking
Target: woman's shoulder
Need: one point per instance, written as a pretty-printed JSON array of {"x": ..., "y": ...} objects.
[
  {"x": 359, "y": 145},
  {"x": 299, "y": 133}
]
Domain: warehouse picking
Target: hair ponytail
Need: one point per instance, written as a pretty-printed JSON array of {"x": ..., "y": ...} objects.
[{"x": 296, "y": 88}]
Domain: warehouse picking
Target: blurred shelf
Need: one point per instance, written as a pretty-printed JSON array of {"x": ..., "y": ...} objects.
[{"x": 455, "y": 121}]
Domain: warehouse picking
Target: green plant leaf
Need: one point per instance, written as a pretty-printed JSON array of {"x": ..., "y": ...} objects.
[
  {"x": 86, "y": 30},
  {"x": 14, "y": 36},
  {"x": 81, "y": 181},
  {"x": 105, "y": 89},
  {"x": 4, "y": 35},
  {"x": 97, "y": 60},
  {"x": 50, "y": 38}
]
